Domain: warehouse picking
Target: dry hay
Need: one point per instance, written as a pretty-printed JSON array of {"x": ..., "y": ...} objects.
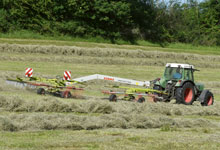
[
  {"x": 213, "y": 84},
  {"x": 16, "y": 104},
  {"x": 42, "y": 121},
  {"x": 106, "y": 55},
  {"x": 99, "y": 114},
  {"x": 99, "y": 52}
]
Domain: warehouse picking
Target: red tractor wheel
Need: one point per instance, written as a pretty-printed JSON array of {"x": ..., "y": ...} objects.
[
  {"x": 188, "y": 95},
  {"x": 185, "y": 94}
]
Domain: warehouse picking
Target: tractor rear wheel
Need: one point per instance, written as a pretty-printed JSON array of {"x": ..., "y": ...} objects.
[
  {"x": 185, "y": 94},
  {"x": 41, "y": 91},
  {"x": 112, "y": 98},
  {"x": 141, "y": 100},
  {"x": 208, "y": 99}
]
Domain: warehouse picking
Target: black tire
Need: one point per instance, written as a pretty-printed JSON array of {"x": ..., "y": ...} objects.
[
  {"x": 185, "y": 94},
  {"x": 141, "y": 100},
  {"x": 113, "y": 98},
  {"x": 178, "y": 92},
  {"x": 131, "y": 98},
  {"x": 41, "y": 91},
  {"x": 208, "y": 99},
  {"x": 65, "y": 94}
]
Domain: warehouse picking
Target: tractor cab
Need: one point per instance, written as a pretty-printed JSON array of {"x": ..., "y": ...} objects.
[{"x": 176, "y": 73}]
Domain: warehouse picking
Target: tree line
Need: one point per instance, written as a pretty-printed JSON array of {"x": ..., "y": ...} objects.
[{"x": 130, "y": 20}]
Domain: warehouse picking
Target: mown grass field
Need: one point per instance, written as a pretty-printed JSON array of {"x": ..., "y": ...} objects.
[{"x": 30, "y": 121}]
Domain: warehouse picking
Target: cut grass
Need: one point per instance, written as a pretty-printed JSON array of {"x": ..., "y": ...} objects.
[
  {"x": 142, "y": 45},
  {"x": 107, "y": 56},
  {"x": 97, "y": 105},
  {"x": 112, "y": 139},
  {"x": 178, "y": 126}
]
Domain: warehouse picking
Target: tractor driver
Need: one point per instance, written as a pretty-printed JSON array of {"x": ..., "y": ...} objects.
[{"x": 178, "y": 74}]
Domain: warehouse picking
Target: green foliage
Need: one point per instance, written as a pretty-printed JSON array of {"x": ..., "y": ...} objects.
[
  {"x": 210, "y": 22},
  {"x": 193, "y": 22},
  {"x": 131, "y": 20},
  {"x": 3, "y": 21}
]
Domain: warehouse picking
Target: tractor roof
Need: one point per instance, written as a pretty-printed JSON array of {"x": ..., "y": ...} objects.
[{"x": 174, "y": 65}]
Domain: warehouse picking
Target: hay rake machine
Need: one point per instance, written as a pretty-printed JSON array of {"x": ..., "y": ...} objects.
[
  {"x": 64, "y": 88},
  {"x": 129, "y": 94},
  {"x": 134, "y": 94}
]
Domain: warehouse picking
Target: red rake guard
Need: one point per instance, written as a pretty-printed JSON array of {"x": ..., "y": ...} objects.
[
  {"x": 29, "y": 72},
  {"x": 67, "y": 75}
]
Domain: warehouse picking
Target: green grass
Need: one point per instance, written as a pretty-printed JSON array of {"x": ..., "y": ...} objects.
[
  {"x": 111, "y": 139},
  {"x": 29, "y": 37},
  {"x": 200, "y": 128},
  {"x": 25, "y": 34}
]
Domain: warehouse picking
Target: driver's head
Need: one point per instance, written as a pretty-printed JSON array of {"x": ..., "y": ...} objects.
[{"x": 178, "y": 70}]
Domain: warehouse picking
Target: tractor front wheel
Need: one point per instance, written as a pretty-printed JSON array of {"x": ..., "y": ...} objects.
[
  {"x": 208, "y": 99},
  {"x": 185, "y": 94}
]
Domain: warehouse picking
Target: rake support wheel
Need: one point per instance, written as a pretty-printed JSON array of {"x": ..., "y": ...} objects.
[
  {"x": 41, "y": 91},
  {"x": 113, "y": 98},
  {"x": 141, "y": 100},
  {"x": 65, "y": 94}
]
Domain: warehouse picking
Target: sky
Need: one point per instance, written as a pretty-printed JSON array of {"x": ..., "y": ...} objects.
[{"x": 183, "y": 1}]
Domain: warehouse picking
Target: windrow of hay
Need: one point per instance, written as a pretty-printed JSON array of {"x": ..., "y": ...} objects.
[
  {"x": 10, "y": 88},
  {"x": 16, "y": 104},
  {"x": 42, "y": 121},
  {"x": 103, "y": 52},
  {"x": 212, "y": 84},
  {"x": 110, "y": 60},
  {"x": 1, "y": 88}
]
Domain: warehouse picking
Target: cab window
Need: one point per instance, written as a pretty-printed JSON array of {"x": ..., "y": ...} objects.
[
  {"x": 173, "y": 73},
  {"x": 188, "y": 74}
]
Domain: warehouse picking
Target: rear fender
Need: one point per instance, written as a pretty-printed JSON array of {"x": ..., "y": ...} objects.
[
  {"x": 200, "y": 86},
  {"x": 180, "y": 84}
]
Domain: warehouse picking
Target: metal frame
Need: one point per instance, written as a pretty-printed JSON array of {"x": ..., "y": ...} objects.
[{"x": 115, "y": 79}]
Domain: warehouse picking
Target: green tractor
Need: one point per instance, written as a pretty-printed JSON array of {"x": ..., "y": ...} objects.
[{"x": 178, "y": 82}]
